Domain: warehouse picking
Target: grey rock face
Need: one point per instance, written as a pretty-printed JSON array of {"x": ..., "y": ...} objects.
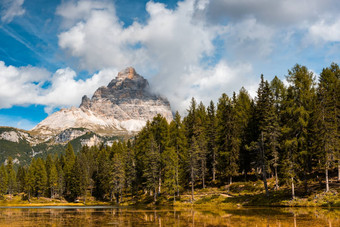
[{"x": 124, "y": 106}]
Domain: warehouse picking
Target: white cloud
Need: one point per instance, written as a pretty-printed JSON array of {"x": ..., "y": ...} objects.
[
  {"x": 326, "y": 30},
  {"x": 11, "y": 9},
  {"x": 25, "y": 86},
  {"x": 177, "y": 49},
  {"x": 170, "y": 46}
]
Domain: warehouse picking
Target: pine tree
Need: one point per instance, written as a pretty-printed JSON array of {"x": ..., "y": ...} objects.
[
  {"x": 171, "y": 162},
  {"x": 152, "y": 167},
  {"x": 242, "y": 112},
  {"x": 101, "y": 176},
  {"x": 193, "y": 164},
  {"x": 296, "y": 115},
  {"x": 269, "y": 132},
  {"x": 211, "y": 139},
  {"x": 3, "y": 180},
  {"x": 20, "y": 181},
  {"x": 79, "y": 178},
  {"x": 11, "y": 177},
  {"x": 328, "y": 113},
  {"x": 53, "y": 180},
  {"x": 68, "y": 166},
  {"x": 159, "y": 129},
  {"x": 178, "y": 141},
  {"x": 130, "y": 168},
  {"x": 200, "y": 134},
  {"x": 227, "y": 139},
  {"x": 60, "y": 179},
  {"x": 302, "y": 95},
  {"x": 117, "y": 176},
  {"x": 40, "y": 177},
  {"x": 30, "y": 179}
]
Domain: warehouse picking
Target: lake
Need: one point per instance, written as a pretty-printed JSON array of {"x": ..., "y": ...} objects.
[{"x": 113, "y": 216}]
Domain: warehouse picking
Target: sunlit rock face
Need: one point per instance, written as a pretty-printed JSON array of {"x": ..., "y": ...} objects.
[{"x": 123, "y": 106}]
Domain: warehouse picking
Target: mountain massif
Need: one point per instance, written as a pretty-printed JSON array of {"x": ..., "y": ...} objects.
[{"x": 120, "y": 109}]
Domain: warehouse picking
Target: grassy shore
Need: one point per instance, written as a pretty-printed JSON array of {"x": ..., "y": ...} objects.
[
  {"x": 17, "y": 201},
  {"x": 239, "y": 194}
]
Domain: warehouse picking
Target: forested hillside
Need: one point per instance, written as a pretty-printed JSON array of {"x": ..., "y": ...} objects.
[{"x": 287, "y": 133}]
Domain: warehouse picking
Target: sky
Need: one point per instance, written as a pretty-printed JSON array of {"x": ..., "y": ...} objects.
[{"x": 54, "y": 52}]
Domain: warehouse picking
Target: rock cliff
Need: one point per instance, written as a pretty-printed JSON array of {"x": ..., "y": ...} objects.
[{"x": 123, "y": 106}]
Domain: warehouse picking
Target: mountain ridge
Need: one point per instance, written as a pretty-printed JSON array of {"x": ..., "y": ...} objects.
[{"x": 122, "y": 107}]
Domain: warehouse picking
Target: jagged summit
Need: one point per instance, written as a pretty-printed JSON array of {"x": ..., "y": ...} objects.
[
  {"x": 128, "y": 73},
  {"x": 124, "y": 105}
]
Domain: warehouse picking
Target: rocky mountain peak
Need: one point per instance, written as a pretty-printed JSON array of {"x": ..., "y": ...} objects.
[
  {"x": 123, "y": 106},
  {"x": 128, "y": 73}
]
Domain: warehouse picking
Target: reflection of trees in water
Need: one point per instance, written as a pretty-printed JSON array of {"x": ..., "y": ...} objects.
[{"x": 169, "y": 217}]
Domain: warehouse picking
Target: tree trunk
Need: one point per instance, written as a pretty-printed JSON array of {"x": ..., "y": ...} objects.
[
  {"x": 265, "y": 181},
  {"x": 339, "y": 170},
  {"x": 155, "y": 195},
  {"x": 230, "y": 180},
  {"x": 203, "y": 174},
  {"x": 264, "y": 167},
  {"x": 177, "y": 183},
  {"x": 293, "y": 190},
  {"x": 177, "y": 187},
  {"x": 276, "y": 179},
  {"x": 85, "y": 197},
  {"x": 192, "y": 185},
  {"x": 160, "y": 183},
  {"x": 214, "y": 166},
  {"x": 327, "y": 181}
]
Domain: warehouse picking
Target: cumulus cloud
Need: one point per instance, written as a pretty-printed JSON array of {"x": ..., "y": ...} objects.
[
  {"x": 26, "y": 85},
  {"x": 276, "y": 13},
  {"x": 11, "y": 9},
  {"x": 169, "y": 47},
  {"x": 326, "y": 31},
  {"x": 200, "y": 48}
]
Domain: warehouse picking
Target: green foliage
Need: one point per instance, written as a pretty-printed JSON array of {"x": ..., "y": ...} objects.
[
  {"x": 3, "y": 180},
  {"x": 287, "y": 133}
]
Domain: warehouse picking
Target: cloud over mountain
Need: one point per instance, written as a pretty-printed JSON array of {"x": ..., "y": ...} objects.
[{"x": 199, "y": 48}]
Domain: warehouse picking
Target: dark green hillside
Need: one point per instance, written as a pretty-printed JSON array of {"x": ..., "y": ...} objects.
[{"x": 22, "y": 151}]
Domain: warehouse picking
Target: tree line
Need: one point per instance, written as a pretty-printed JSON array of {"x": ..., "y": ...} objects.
[{"x": 287, "y": 132}]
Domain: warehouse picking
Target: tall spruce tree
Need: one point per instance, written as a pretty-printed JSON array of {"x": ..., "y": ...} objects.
[
  {"x": 328, "y": 117},
  {"x": 3, "y": 180},
  {"x": 20, "y": 179},
  {"x": 227, "y": 139},
  {"x": 152, "y": 167},
  {"x": 200, "y": 134},
  {"x": 117, "y": 176},
  {"x": 297, "y": 111},
  {"x": 40, "y": 178},
  {"x": 11, "y": 176},
  {"x": 269, "y": 132},
  {"x": 211, "y": 139},
  {"x": 178, "y": 141},
  {"x": 69, "y": 161},
  {"x": 242, "y": 112},
  {"x": 193, "y": 164}
]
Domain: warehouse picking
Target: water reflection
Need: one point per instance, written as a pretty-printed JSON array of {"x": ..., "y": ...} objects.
[{"x": 111, "y": 216}]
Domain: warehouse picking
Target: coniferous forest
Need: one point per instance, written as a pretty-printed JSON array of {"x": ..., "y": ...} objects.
[{"x": 287, "y": 133}]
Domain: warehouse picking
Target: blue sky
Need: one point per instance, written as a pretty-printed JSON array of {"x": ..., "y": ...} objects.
[{"x": 54, "y": 52}]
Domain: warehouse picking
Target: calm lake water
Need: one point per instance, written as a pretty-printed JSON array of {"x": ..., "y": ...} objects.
[{"x": 111, "y": 216}]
